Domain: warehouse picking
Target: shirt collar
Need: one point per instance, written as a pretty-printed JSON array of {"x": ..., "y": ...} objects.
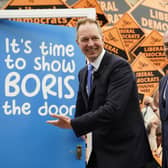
[{"x": 97, "y": 62}]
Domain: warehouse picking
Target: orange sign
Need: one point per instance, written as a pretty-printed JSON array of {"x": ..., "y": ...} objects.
[
  {"x": 152, "y": 48},
  {"x": 147, "y": 74},
  {"x": 113, "y": 42},
  {"x": 72, "y": 22},
  {"x": 130, "y": 31},
  {"x": 39, "y": 4},
  {"x": 101, "y": 17}
]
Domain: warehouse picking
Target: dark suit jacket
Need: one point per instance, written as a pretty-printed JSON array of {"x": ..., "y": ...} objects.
[
  {"x": 163, "y": 107},
  {"x": 112, "y": 114}
]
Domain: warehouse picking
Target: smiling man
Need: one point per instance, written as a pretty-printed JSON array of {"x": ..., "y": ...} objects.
[{"x": 111, "y": 109}]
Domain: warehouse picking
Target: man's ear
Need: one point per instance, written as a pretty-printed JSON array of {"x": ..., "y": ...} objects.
[
  {"x": 77, "y": 42},
  {"x": 103, "y": 38}
]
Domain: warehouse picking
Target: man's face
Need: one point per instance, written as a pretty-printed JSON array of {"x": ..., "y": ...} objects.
[
  {"x": 165, "y": 41},
  {"x": 90, "y": 40}
]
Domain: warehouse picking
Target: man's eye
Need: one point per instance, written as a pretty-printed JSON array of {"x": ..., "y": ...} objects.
[
  {"x": 84, "y": 40},
  {"x": 95, "y": 38}
]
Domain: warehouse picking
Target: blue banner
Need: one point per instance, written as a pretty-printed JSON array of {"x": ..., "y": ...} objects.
[{"x": 38, "y": 76}]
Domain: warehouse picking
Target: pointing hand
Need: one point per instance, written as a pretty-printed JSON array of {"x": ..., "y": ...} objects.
[{"x": 61, "y": 121}]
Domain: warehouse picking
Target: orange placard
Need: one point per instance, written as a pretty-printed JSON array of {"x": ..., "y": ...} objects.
[
  {"x": 101, "y": 17},
  {"x": 152, "y": 48},
  {"x": 73, "y": 21},
  {"x": 130, "y": 31},
  {"x": 39, "y": 4},
  {"x": 147, "y": 74},
  {"x": 114, "y": 44}
]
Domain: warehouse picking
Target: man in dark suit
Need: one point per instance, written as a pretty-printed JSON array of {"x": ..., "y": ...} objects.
[
  {"x": 163, "y": 106},
  {"x": 111, "y": 110}
]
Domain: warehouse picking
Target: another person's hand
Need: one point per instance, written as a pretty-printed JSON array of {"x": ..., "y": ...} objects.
[
  {"x": 61, "y": 122},
  {"x": 154, "y": 124}
]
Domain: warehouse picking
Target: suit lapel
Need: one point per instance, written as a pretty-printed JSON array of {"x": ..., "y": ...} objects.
[
  {"x": 163, "y": 107},
  {"x": 83, "y": 86},
  {"x": 103, "y": 65},
  {"x": 164, "y": 82},
  {"x": 100, "y": 71}
]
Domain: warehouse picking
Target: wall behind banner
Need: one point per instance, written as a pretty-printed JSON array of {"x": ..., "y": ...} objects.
[{"x": 133, "y": 29}]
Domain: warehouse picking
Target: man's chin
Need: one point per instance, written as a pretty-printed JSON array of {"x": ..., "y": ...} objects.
[{"x": 92, "y": 57}]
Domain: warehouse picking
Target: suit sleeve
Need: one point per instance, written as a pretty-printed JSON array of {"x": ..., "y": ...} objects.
[{"x": 163, "y": 103}]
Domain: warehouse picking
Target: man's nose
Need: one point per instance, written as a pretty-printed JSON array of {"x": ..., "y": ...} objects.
[{"x": 90, "y": 42}]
